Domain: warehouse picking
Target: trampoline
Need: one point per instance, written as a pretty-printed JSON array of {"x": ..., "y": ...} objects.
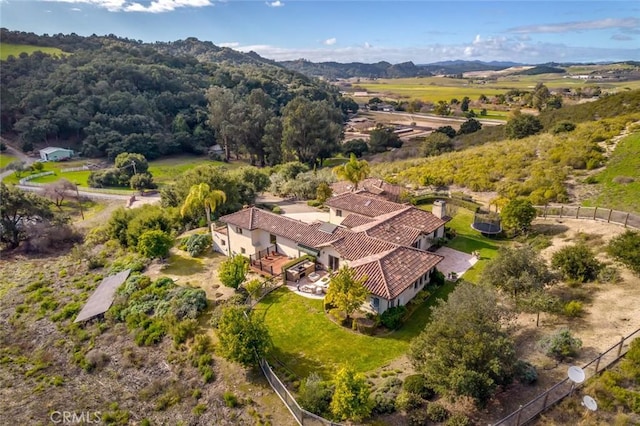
[{"x": 487, "y": 223}]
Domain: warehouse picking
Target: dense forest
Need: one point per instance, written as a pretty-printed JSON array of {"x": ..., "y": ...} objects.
[{"x": 112, "y": 95}]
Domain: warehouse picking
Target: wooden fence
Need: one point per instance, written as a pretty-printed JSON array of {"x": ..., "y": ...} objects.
[
  {"x": 559, "y": 391},
  {"x": 593, "y": 213}
]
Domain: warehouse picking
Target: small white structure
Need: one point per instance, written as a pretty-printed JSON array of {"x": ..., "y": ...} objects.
[{"x": 53, "y": 153}]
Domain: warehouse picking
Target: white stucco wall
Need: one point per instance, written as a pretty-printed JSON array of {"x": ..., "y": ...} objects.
[
  {"x": 220, "y": 242},
  {"x": 333, "y": 218},
  {"x": 237, "y": 241}
]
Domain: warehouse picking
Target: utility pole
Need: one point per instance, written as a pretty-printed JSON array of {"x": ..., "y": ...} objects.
[
  {"x": 133, "y": 163},
  {"x": 79, "y": 201}
]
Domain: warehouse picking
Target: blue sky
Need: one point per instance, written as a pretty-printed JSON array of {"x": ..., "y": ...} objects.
[{"x": 367, "y": 31}]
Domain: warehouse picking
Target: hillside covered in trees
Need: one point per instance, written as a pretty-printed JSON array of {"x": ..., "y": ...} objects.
[{"x": 112, "y": 95}]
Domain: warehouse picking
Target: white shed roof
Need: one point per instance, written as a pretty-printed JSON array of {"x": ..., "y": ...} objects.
[{"x": 51, "y": 149}]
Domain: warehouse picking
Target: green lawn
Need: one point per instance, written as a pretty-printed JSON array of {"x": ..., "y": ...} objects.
[
  {"x": 469, "y": 240},
  {"x": 305, "y": 340},
  {"x": 7, "y": 49},
  {"x": 5, "y": 159},
  {"x": 166, "y": 170},
  {"x": 615, "y": 191}
]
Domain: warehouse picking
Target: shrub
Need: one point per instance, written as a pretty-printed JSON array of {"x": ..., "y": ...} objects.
[
  {"x": 609, "y": 274},
  {"x": 458, "y": 420},
  {"x": 525, "y": 372},
  {"x": 276, "y": 210},
  {"x": 573, "y": 308},
  {"x": 437, "y": 413},
  {"x": 384, "y": 399},
  {"x": 230, "y": 399},
  {"x": 437, "y": 278},
  {"x": 315, "y": 394},
  {"x": 407, "y": 401},
  {"x": 314, "y": 203},
  {"x": 197, "y": 244},
  {"x": 576, "y": 262},
  {"x": 563, "y": 126},
  {"x": 626, "y": 249},
  {"x": 392, "y": 318},
  {"x": 417, "y": 385},
  {"x": 561, "y": 344}
]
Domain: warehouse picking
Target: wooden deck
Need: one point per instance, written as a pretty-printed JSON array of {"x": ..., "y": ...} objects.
[{"x": 271, "y": 264}]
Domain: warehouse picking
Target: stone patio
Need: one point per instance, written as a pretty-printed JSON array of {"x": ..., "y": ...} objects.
[{"x": 455, "y": 261}]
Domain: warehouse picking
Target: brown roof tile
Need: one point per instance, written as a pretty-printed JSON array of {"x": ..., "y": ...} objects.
[
  {"x": 363, "y": 204},
  {"x": 352, "y": 246},
  {"x": 374, "y": 185},
  {"x": 392, "y": 272},
  {"x": 353, "y": 220}
]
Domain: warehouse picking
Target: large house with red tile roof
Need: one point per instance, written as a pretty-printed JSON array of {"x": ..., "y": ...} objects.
[
  {"x": 383, "y": 240},
  {"x": 375, "y": 186}
]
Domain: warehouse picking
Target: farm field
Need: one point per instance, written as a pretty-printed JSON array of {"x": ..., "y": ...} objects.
[
  {"x": 8, "y": 49},
  {"x": 434, "y": 89}
]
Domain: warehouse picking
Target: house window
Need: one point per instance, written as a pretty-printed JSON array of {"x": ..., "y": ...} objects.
[
  {"x": 375, "y": 303},
  {"x": 416, "y": 244},
  {"x": 415, "y": 285},
  {"x": 272, "y": 239},
  {"x": 243, "y": 251},
  {"x": 238, "y": 230},
  {"x": 392, "y": 303},
  {"x": 223, "y": 243},
  {"x": 339, "y": 213},
  {"x": 334, "y": 263}
]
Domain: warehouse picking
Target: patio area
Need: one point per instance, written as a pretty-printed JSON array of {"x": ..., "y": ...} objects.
[
  {"x": 455, "y": 262},
  {"x": 313, "y": 286}
]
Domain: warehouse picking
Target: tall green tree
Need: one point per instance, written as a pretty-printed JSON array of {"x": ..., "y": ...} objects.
[
  {"x": 311, "y": 129},
  {"x": 130, "y": 164},
  {"x": 517, "y": 271},
  {"x": 517, "y": 215},
  {"x": 243, "y": 337},
  {"x": 522, "y": 125},
  {"x": 576, "y": 262},
  {"x": 539, "y": 301},
  {"x": 20, "y": 210},
  {"x": 354, "y": 171},
  {"x": 202, "y": 196},
  {"x": 347, "y": 292},
  {"x": 626, "y": 249},
  {"x": 464, "y": 350},
  {"x": 351, "y": 395},
  {"x": 233, "y": 271}
]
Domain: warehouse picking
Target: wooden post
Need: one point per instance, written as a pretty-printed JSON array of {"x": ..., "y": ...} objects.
[
  {"x": 609, "y": 218},
  {"x": 594, "y": 212},
  {"x": 598, "y": 363},
  {"x": 620, "y": 346},
  {"x": 577, "y": 212},
  {"x": 626, "y": 219},
  {"x": 544, "y": 402},
  {"x": 561, "y": 207},
  {"x": 518, "y": 418}
]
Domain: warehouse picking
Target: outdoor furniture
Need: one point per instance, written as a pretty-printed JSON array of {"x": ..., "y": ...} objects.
[{"x": 314, "y": 276}]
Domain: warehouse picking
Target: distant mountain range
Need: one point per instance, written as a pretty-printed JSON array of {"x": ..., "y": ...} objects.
[{"x": 333, "y": 70}]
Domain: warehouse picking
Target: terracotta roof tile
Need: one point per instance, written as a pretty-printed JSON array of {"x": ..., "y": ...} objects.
[
  {"x": 373, "y": 185},
  {"x": 353, "y": 220},
  {"x": 363, "y": 204},
  {"x": 392, "y": 272},
  {"x": 352, "y": 246}
]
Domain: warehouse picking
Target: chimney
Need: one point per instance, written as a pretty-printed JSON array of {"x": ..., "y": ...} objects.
[{"x": 439, "y": 209}]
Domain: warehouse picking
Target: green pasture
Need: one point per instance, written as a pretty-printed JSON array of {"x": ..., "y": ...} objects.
[
  {"x": 9, "y": 49},
  {"x": 306, "y": 340},
  {"x": 619, "y": 182},
  {"x": 434, "y": 89},
  {"x": 167, "y": 170},
  {"x": 5, "y": 159}
]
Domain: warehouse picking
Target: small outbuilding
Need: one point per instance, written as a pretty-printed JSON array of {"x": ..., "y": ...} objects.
[{"x": 53, "y": 153}]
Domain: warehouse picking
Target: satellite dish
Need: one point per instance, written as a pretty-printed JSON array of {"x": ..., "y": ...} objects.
[
  {"x": 590, "y": 403},
  {"x": 576, "y": 374}
]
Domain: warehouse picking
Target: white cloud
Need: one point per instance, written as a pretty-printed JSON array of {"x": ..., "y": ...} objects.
[
  {"x": 76, "y": 9},
  {"x": 367, "y": 45},
  {"x": 276, "y": 3},
  {"x": 149, "y": 6},
  {"x": 477, "y": 40},
  {"x": 577, "y": 26},
  {"x": 330, "y": 41},
  {"x": 229, "y": 44}
]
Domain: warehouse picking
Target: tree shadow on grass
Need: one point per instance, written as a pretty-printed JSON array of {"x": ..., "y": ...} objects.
[{"x": 182, "y": 266}]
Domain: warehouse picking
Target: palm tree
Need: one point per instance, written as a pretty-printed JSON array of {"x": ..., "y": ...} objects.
[
  {"x": 202, "y": 195},
  {"x": 354, "y": 170}
]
